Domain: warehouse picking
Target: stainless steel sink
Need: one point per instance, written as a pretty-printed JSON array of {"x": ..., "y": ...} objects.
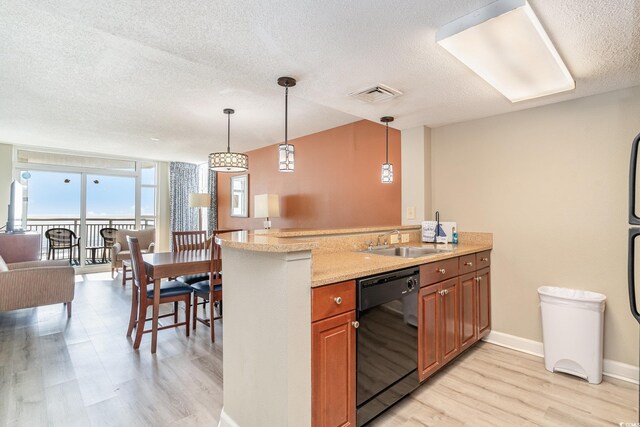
[{"x": 407, "y": 251}]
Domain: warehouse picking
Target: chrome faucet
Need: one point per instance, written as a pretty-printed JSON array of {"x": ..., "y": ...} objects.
[{"x": 387, "y": 234}]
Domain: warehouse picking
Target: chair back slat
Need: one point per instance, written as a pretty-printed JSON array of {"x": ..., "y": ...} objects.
[
  {"x": 215, "y": 277},
  {"x": 137, "y": 264},
  {"x": 189, "y": 240},
  {"x": 216, "y": 264}
]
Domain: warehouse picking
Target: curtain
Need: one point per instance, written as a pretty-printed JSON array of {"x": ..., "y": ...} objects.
[
  {"x": 183, "y": 180},
  {"x": 212, "y": 212}
]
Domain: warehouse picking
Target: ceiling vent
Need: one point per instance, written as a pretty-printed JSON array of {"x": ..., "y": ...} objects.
[{"x": 375, "y": 94}]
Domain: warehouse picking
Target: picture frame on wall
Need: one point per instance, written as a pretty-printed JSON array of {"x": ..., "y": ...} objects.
[{"x": 239, "y": 196}]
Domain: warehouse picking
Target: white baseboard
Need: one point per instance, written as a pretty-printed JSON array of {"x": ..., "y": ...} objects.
[
  {"x": 611, "y": 368},
  {"x": 226, "y": 420}
]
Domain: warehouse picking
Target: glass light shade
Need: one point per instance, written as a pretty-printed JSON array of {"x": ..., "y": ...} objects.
[
  {"x": 505, "y": 44},
  {"x": 286, "y": 157},
  {"x": 228, "y": 162},
  {"x": 387, "y": 173}
]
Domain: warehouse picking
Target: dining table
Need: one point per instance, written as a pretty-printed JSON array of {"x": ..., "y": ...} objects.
[{"x": 162, "y": 265}]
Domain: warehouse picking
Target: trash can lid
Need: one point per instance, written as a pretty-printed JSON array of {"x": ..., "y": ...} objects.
[{"x": 571, "y": 294}]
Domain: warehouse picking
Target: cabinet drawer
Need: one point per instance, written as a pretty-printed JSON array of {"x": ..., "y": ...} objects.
[
  {"x": 483, "y": 259},
  {"x": 327, "y": 301},
  {"x": 438, "y": 271},
  {"x": 467, "y": 264}
]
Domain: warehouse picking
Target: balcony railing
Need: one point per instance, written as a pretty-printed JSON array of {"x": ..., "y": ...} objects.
[{"x": 91, "y": 235}]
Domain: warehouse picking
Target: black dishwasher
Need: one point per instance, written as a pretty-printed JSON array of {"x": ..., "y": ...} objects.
[{"x": 387, "y": 341}]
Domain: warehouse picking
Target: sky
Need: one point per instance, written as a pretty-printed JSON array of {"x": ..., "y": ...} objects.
[{"x": 112, "y": 197}]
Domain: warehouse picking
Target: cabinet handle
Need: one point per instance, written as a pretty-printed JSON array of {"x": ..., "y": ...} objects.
[
  {"x": 484, "y": 259},
  {"x": 356, "y": 324},
  {"x": 478, "y": 279},
  {"x": 338, "y": 300},
  {"x": 443, "y": 292},
  {"x": 441, "y": 270},
  {"x": 469, "y": 263}
]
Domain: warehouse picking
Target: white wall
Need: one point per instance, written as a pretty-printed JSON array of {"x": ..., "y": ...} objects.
[
  {"x": 6, "y": 176},
  {"x": 416, "y": 173},
  {"x": 551, "y": 184}
]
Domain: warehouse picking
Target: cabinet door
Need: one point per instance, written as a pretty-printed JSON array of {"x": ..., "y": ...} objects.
[
  {"x": 450, "y": 312},
  {"x": 429, "y": 359},
  {"x": 468, "y": 326},
  {"x": 333, "y": 371},
  {"x": 483, "y": 290}
]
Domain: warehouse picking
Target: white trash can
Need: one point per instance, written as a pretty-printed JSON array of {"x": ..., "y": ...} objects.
[{"x": 572, "y": 331}]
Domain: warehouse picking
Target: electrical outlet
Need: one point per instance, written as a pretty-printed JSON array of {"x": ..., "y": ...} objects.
[
  {"x": 405, "y": 238},
  {"x": 393, "y": 239},
  {"x": 411, "y": 212}
]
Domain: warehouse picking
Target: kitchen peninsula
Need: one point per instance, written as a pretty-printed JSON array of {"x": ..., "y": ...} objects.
[{"x": 279, "y": 288}]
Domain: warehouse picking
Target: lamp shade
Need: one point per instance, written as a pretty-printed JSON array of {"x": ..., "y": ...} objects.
[
  {"x": 199, "y": 200},
  {"x": 266, "y": 206}
]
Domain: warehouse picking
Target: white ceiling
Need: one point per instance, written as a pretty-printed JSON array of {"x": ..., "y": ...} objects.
[{"x": 108, "y": 76}]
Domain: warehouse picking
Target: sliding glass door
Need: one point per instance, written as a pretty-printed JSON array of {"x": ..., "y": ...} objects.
[
  {"x": 54, "y": 201},
  {"x": 110, "y": 204},
  {"x": 89, "y": 197}
]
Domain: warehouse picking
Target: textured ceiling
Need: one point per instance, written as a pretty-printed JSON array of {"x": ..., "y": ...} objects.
[{"x": 109, "y": 76}]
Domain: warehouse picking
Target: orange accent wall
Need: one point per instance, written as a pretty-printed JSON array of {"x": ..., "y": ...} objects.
[{"x": 336, "y": 182}]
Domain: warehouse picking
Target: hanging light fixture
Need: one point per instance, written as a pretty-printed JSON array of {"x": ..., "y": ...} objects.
[
  {"x": 286, "y": 150},
  {"x": 228, "y": 161},
  {"x": 387, "y": 168}
]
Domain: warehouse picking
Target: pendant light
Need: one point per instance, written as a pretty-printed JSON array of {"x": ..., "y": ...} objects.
[
  {"x": 387, "y": 168},
  {"x": 228, "y": 161},
  {"x": 286, "y": 150}
]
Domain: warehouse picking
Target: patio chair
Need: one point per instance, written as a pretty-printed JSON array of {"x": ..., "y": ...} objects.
[
  {"x": 108, "y": 235},
  {"x": 62, "y": 239}
]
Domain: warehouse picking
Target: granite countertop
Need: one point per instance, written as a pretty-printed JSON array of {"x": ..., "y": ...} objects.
[
  {"x": 340, "y": 266},
  {"x": 288, "y": 240}
]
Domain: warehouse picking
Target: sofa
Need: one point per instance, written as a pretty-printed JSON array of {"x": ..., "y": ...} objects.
[
  {"x": 120, "y": 250},
  {"x": 36, "y": 283}
]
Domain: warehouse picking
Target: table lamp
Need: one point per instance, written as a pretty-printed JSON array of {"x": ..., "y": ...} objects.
[
  {"x": 266, "y": 206},
  {"x": 199, "y": 200}
]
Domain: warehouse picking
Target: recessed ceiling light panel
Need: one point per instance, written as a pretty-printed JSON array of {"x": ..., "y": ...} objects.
[{"x": 505, "y": 44}]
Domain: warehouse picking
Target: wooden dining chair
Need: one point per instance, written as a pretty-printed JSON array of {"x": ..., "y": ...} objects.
[
  {"x": 142, "y": 297},
  {"x": 190, "y": 279},
  {"x": 210, "y": 291},
  {"x": 189, "y": 240}
]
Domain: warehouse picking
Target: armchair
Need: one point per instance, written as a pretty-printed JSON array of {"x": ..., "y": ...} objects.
[
  {"x": 120, "y": 250},
  {"x": 36, "y": 283}
]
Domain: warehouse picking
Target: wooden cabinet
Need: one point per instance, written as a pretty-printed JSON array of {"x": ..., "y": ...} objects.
[
  {"x": 467, "y": 264},
  {"x": 429, "y": 359},
  {"x": 483, "y": 259},
  {"x": 449, "y": 297},
  {"x": 438, "y": 325},
  {"x": 438, "y": 271},
  {"x": 333, "y": 361},
  {"x": 483, "y": 291},
  {"x": 468, "y": 311},
  {"x": 330, "y": 300},
  {"x": 455, "y": 313}
]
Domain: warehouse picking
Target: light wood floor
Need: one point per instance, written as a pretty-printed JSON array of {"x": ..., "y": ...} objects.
[{"x": 84, "y": 372}]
